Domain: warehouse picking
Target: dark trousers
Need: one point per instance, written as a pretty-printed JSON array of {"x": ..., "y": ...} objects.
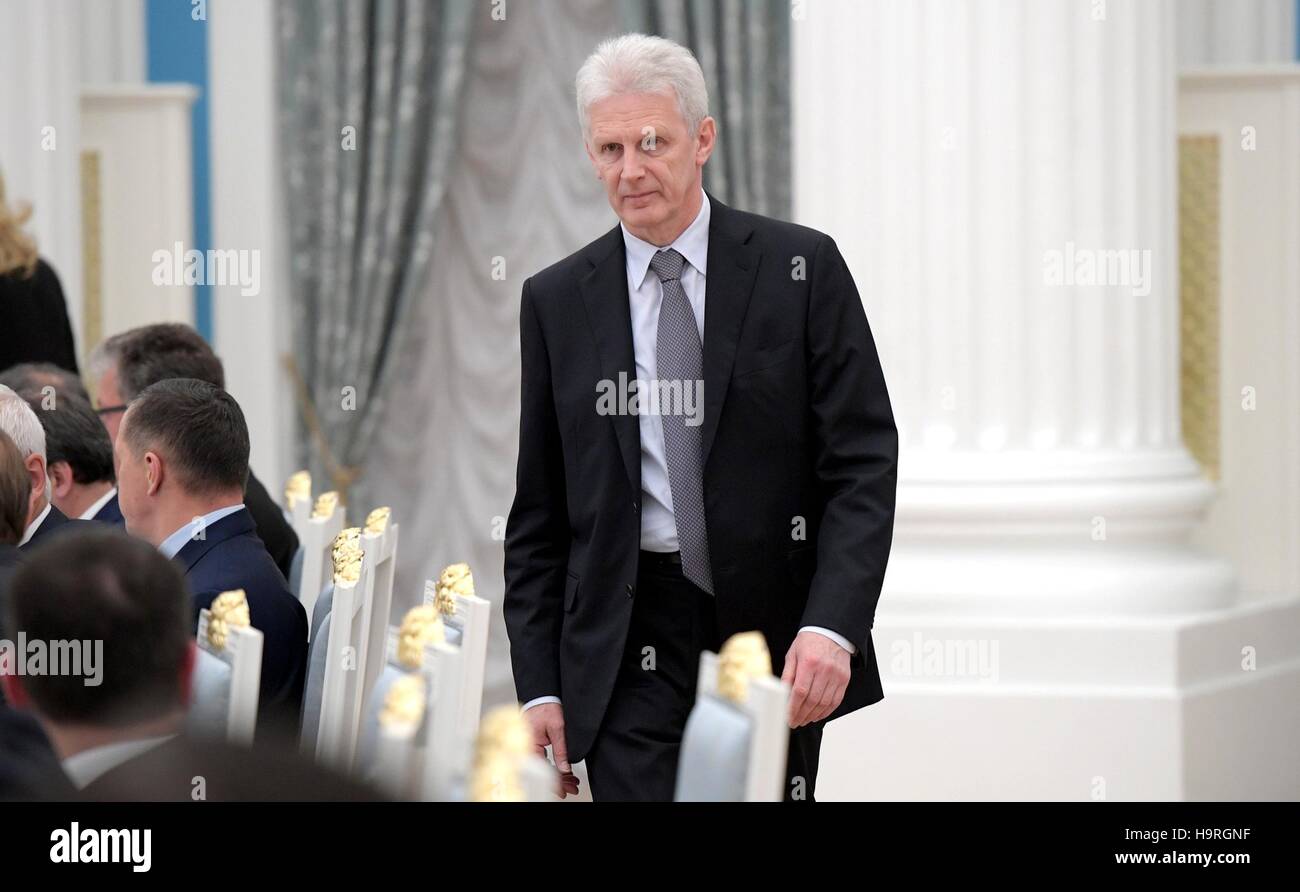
[{"x": 634, "y": 757}]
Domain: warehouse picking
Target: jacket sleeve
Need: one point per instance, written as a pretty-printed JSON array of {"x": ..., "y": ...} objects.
[
  {"x": 537, "y": 540},
  {"x": 855, "y": 453}
]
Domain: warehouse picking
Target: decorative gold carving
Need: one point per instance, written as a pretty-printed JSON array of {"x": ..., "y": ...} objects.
[
  {"x": 743, "y": 657},
  {"x": 420, "y": 626},
  {"x": 504, "y": 741},
  {"x": 377, "y": 521},
  {"x": 92, "y": 250},
  {"x": 228, "y": 610},
  {"x": 1198, "y": 271},
  {"x": 346, "y": 556},
  {"x": 455, "y": 579},
  {"x": 404, "y": 703},
  {"x": 326, "y": 502},
  {"x": 297, "y": 488}
]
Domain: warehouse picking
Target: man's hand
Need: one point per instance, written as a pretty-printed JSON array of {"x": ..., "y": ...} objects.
[
  {"x": 817, "y": 670},
  {"x": 547, "y": 722}
]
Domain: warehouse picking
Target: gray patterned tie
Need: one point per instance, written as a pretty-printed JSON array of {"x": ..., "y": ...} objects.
[{"x": 680, "y": 357}]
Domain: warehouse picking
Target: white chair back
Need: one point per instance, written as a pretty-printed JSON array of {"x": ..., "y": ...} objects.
[
  {"x": 340, "y": 670},
  {"x": 316, "y": 538},
  {"x": 224, "y": 695},
  {"x": 379, "y": 541},
  {"x": 467, "y": 620},
  {"x": 734, "y": 750}
]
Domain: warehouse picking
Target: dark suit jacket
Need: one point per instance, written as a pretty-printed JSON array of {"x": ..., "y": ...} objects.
[
  {"x": 56, "y": 523},
  {"x": 10, "y": 555},
  {"x": 230, "y": 774},
  {"x": 275, "y": 532},
  {"x": 29, "y": 767},
  {"x": 230, "y": 556},
  {"x": 797, "y": 425},
  {"x": 111, "y": 513},
  {"x": 34, "y": 323}
]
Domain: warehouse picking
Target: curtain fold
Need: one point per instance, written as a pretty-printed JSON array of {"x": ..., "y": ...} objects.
[
  {"x": 744, "y": 49},
  {"x": 371, "y": 100}
]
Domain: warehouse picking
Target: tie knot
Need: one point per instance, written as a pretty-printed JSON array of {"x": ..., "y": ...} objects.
[{"x": 667, "y": 265}]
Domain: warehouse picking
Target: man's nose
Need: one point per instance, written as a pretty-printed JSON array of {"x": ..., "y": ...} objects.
[{"x": 632, "y": 166}]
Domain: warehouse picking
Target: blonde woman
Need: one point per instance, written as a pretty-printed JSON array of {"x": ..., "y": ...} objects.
[{"x": 34, "y": 323}]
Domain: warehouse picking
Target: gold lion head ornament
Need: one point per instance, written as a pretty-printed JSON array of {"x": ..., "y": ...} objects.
[
  {"x": 228, "y": 610},
  {"x": 743, "y": 657}
]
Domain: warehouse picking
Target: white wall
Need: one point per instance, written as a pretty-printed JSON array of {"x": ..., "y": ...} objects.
[
  {"x": 250, "y": 333},
  {"x": 40, "y": 78}
]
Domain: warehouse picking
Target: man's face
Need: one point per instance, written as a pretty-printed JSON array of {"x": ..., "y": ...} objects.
[
  {"x": 133, "y": 487},
  {"x": 649, "y": 162},
  {"x": 107, "y": 400}
]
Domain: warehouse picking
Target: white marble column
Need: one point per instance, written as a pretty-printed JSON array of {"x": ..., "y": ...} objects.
[
  {"x": 40, "y": 81},
  {"x": 974, "y": 161}
]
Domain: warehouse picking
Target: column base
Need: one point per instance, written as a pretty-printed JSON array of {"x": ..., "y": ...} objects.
[{"x": 1157, "y": 708}]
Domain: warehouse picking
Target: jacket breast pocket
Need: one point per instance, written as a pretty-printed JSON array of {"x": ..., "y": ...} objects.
[
  {"x": 765, "y": 358},
  {"x": 571, "y": 592}
]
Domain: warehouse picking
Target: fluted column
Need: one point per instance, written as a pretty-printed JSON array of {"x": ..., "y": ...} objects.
[
  {"x": 1236, "y": 32},
  {"x": 977, "y": 162}
]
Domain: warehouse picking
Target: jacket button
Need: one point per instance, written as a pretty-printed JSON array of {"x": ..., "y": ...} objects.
[{"x": 631, "y": 590}]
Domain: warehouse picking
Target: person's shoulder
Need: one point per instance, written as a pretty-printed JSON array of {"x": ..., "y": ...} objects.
[
  {"x": 770, "y": 232},
  {"x": 563, "y": 275}
]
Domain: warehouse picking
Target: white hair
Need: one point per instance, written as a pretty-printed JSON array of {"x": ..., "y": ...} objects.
[
  {"x": 21, "y": 424},
  {"x": 638, "y": 63}
]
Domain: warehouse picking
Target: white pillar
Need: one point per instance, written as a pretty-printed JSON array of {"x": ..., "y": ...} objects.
[
  {"x": 972, "y": 160},
  {"x": 40, "y": 79},
  {"x": 1045, "y": 629}
]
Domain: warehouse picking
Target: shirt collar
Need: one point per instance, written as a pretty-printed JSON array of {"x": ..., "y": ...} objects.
[
  {"x": 172, "y": 545},
  {"x": 35, "y": 524},
  {"x": 86, "y": 766},
  {"x": 693, "y": 244},
  {"x": 89, "y": 513}
]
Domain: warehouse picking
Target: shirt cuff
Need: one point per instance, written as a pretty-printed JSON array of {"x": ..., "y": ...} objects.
[
  {"x": 834, "y": 636},
  {"x": 538, "y": 701}
]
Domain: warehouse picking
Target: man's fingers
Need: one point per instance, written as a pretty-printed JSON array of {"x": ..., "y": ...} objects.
[
  {"x": 799, "y": 691},
  {"x": 817, "y": 696},
  {"x": 787, "y": 674},
  {"x": 559, "y": 748}
]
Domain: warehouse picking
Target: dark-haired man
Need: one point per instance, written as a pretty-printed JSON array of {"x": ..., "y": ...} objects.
[
  {"x": 130, "y": 361},
  {"x": 120, "y": 737},
  {"x": 182, "y": 462},
  {"x": 78, "y": 456}
]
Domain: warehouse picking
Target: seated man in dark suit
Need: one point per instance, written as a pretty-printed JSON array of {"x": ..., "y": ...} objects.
[
  {"x": 121, "y": 739},
  {"x": 21, "y": 424},
  {"x": 182, "y": 462},
  {"x": 78, "y": 456},
  {"x": 127, "y": 363}
]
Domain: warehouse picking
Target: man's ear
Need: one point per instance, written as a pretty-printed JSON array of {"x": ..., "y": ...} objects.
[
  {"x": 13, "y": 689},
  {"x": 61, "y": 479},
  {"x": 153, "y": 472},
  {"x": 706, "y": 140}
]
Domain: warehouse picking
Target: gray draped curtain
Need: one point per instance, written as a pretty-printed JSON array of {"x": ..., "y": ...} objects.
[
  {"x": 744, "y": 49},
  {"x": 371, "y": 95}
]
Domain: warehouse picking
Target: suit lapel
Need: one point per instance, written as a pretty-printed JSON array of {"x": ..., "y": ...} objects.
[
  {"x": 733, "y": 263},
  {"x": 226, "y": 528},
  {"x": 604, "y": 292}
]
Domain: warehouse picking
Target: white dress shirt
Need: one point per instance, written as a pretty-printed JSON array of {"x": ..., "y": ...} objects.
[
  {"x": 172, "y": 545},
  {"x": 645, "y": 296},
  {"x": 89, "y": 513},
  {"x": 34, "y": 526}
]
